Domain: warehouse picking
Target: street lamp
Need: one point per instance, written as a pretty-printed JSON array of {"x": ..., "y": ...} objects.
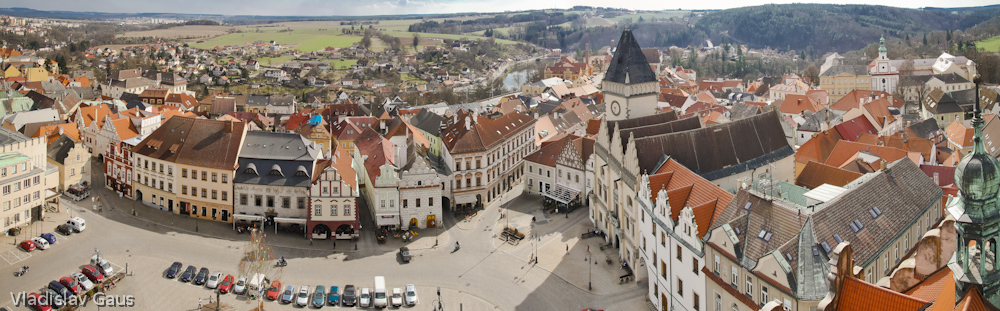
[{"x": 590, "y": 270}]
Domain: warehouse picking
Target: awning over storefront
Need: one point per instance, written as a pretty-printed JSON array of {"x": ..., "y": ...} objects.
[
  {"x": 562, "y": 193},
  {"x": 300, "y": 221},
  {"x": 247, "y": 217},
  {"x": 386, "y": 220}
]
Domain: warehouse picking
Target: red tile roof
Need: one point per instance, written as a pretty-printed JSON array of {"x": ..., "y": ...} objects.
[
  {"x": 818, "y": 148},
  {"x": 685, "y": 188},
  {"x": 847, "y": 150},
  {"x": 859, "y": 295},
  {"x": 796, "y": 104},
  {"x": 815, "y": 174},
  {"x": 852, "y": 129}
]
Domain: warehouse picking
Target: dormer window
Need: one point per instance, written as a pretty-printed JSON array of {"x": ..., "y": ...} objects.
[{"x": 251, "y": 169}]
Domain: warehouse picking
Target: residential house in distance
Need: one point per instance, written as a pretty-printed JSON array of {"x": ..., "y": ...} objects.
[
  {"x": 840, "y": 80},
  {"x": 568, "y": 69},
  {"x": 273, "y": 179},
  {"x": 916, "y": 86},
  {"x": 118, "y": 166},
  {"x": 333, "y": 198},
  {"x": 72, "y": 159},
  {"x": 204, "y": 151},
  {"x": 128, "y": 80}
]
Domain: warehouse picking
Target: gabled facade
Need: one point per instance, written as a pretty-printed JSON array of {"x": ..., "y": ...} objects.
[
  {"x": 72, "y": 159},
  {"x": 373, "y": 157},
  {"x": 333, "y": 199},
  {"x": 423, "y": 189}
]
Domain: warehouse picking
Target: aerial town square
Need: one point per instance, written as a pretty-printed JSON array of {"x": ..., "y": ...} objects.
[{"x": 499, "y": 155}]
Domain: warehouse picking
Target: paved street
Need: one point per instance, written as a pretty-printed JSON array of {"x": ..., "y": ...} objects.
[{"x": 486, "y": 274}]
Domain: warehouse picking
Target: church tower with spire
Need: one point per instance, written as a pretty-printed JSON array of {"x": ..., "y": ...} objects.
[
  {"x": 977, "y": 211},
  {"x": 630, "y": 86},
  {"x": 885, "y": 76}
]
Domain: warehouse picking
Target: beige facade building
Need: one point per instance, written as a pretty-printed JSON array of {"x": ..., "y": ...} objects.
[
  {"x": 23, "y": 179},
  {"x": 72, "y": 159},
  {"x": 186, "y": 167},
  {"x": 842, "y": 79}
]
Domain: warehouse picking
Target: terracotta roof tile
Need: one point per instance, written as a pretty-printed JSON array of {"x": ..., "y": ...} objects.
[
  {"x": 815, "y": 174},
  {"x": 685, "y": 188},
  {"x": 818, "y": 148},
  {"x": 852, "y": 129},
  {"x": 859, "y": 295},
  {"x": 846, "y": 150},
  {"x": 796, "y": 104}
]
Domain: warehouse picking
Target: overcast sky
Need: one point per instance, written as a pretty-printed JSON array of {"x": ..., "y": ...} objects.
[{"x": 391, "y": 7}]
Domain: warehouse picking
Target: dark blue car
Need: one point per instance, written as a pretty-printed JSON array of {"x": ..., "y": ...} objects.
[
  {"x": 174, "y": 270},
  {"x": 51, "y": 238}
]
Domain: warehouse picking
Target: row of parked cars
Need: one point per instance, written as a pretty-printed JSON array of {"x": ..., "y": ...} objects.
[
  {"x": 60, "y": 292},
  {"x": 350, "y": 297},
  {"x": 44, "y": 240},
  {"x": 317, "y": 297}
]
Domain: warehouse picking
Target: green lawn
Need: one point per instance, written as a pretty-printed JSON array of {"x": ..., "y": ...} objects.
[
  {"x": 303, "y": 39},
  {"x": 341, "y": 63},
  {"x": 274, "y": 61},
  {"x": 990, "y": 45}
]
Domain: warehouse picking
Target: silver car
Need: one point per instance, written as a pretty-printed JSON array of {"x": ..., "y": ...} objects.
[
  {"x": 213, "y": 281},
  {"x": 302, "y": 299},
  {"x": 83, "y": 281}
]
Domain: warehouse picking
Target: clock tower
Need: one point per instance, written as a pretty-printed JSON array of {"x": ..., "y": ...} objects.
[{"x": 630, "y": 85}]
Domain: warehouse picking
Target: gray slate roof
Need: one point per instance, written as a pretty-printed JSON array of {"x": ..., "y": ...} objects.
[
  {"x": 278, "y": 146},
  {"x": 926, "y": 128},
  {"x": 8, "y": 137},
  {"x": 293, "y": 173},
  {"x": 59, "y": 148},
  {"x": 857, "y": 70},
  {"x": 428, "y": 122},
  {"x": 947, "y": 78},
  {"x": 629, "y": 64}
]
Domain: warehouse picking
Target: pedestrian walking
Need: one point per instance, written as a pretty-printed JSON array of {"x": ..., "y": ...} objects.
[
  {"x": 199, "y": 303},
  {"x": 567, "y": 248}
]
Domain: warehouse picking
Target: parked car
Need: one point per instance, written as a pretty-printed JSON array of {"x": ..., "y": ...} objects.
[
  {"x": 213, "y": 281},
  {"x": 333, "y": 297},
  {"x": 349, "y": 297},
  {"x": 404, "y": 254},
  {"x": 288, "y": 294},
  {"x": 84, "y": 282},
  {"x": 60, "y": 289},
  {"x": 40, "y": 243},
  {"x": 365, "y": 299},
  {"x": 93, "y": 274},
  {"x": 188, "y": 274},
  {"x": 53, "y": 299},
  {"x": 397, "y": 297},
  {"x": 51, "y": 238},
  {"x": 28, "y": 246},
  {"x": 65, "y": 229},
  {"x": 35, "y": 301},
  {"x": 226, "y": 285},
  {"x": 411, "y": 295},
  {"x": 273, "y": 291},
  {"x": 201, "y": 277},
  {"x": 174, "y": 270},
  {"x": 302, "y": 299},
  {"x": 319, "y": 297},
  {"x": 241, "y": 286},
  {"x": 103, "y": 265},
  {"x": 71, "y": 284}
]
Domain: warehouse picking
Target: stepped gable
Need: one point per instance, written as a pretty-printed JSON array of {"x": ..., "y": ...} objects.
[
  {"x": 629, "y": 65},
  {"x": 731, "y": 146}
]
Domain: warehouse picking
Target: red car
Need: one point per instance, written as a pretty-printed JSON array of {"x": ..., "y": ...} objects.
[
  {"x": 28, "y": 245},
  {"x": 70, "y": 284},
  {"x": 35, "y": 301},
  {"x": 92, "y": 274},
  {"x": 226, "y": 285},
  {"x": 274, "y": 290}
]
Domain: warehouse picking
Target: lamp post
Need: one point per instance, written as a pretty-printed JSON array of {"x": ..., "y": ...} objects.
[{"x": 590, "y": 270}]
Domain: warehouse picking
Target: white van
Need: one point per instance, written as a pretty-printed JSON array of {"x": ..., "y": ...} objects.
[
  {"x": 380, "y": 300},
  {"x": 77, "y": 223},
  {"x": 256, "y": 284}
]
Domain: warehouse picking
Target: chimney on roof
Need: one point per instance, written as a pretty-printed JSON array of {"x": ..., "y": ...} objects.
[
  {"x": 882, "y": 164},
  {"x": 937, "y": 178}
]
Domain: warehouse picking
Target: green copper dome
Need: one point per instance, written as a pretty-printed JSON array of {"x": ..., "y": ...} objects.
[
  {"x": 881, "y": 48},
  {"x": 978, "y": 175}
]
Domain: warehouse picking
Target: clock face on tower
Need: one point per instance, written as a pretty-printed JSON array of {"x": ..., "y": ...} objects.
[{"x": 615, "y": 108}]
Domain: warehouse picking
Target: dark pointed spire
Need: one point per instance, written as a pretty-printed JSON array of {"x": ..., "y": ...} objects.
[{"x": 629, "y": 65}]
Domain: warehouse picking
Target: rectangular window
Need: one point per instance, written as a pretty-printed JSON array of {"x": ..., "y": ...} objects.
[
  {"x": 243, "y": 199},
  {"x": 718, "y": 302},
  {"x": 194, "y": 174},
  {"x": 204, "y": 193},
  {"x": 735, "y": 274},
  {"x": 161, "y": 168},
  {"x": 347, "y": 210},
  {"x": 430, "y": 202},
  {"x": 694, "y": 265},
  {"x": 418, "y": 202},
  {"x": 225, "y": 178},
  {"x": 170, "y": 187},
  {"x": 716, "y": 265},
  {"x": 406, "y": 203},
  {"x": 225, "y": 195},
  {"x": 194, "y": 191},
  {"x": 215, "y": 194},
  {"x": 270, "y": 201},
  {"x": 763, "y": 294},
  {"x": 749, "y": 286},
  {"x": 170, "y": 170},
  {"x": 204, "y": 175},
  {"x": 697, "y": 302},
  {"x": 680, "y": 287},
  {"x": 35, "y": 180},
  {"x": 257, "y": 199},
  {"x": 319, "y": 211},
  {"x": 680, "y": 251},
  {"x": 215, "y": 177},
  {"x": 286, "y": 202},
  {"x": 336, "y": 190},
  {"x": 301, "y": 202}
]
